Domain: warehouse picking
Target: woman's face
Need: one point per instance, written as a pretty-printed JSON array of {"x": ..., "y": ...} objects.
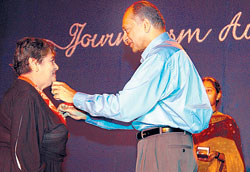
[
  {"x": 211, "y": 93},
  {"x": 47, "y": 70}
]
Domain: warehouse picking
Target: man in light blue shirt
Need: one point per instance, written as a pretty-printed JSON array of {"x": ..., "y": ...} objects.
[{"x": 165, "y": 99}]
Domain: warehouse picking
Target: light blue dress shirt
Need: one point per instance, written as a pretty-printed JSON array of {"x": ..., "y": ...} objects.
[{"x": 165, "y": 90}]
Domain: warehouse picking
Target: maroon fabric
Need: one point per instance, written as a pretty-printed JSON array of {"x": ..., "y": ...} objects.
[{"x": 220, "y": 125}]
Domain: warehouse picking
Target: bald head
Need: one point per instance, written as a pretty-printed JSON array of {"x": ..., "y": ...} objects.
[{"x": 145, "y": 9}]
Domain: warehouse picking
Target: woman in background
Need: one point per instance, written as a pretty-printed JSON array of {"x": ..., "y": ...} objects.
[
  {"x": 33, "y": 134},
  {"x": 222, "y": 137}
]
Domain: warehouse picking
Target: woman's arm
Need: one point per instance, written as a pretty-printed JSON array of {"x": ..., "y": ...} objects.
[{"x": 26, "y": 134}]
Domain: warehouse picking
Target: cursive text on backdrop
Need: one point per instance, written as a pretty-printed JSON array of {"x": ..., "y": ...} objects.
[{"x": 86, "y": 39}]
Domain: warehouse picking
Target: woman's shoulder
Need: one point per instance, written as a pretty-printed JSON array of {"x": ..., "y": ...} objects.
[
  {"x": 20, "y": 91},
  {"x": 25, "y": 87},
  {"x": 219, "y": 116}
]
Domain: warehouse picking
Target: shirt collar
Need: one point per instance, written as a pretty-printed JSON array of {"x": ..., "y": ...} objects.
[{"x": 158, "y": 40}]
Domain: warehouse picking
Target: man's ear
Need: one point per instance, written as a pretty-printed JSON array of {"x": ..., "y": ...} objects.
[
  {"x": 146, "y": 25},
  {"x": 33, "y": 64}
]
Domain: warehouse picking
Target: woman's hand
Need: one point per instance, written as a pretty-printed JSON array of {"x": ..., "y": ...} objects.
[{"x": 213, "y": 155}]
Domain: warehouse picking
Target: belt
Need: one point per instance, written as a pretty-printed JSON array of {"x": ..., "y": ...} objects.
[{"x": 145, "y": 133}]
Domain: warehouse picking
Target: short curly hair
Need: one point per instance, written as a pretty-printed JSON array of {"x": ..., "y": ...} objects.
[{"x": 30, "y": 47}]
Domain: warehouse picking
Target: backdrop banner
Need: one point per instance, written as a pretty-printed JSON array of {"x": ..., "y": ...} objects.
[{"x": 93, "y": 59}]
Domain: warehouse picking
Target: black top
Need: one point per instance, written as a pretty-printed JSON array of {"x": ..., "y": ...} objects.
[{"x": 32, "y": 137}]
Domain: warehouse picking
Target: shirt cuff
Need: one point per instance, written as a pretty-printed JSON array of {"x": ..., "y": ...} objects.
[{"x": 79, "y": 100}]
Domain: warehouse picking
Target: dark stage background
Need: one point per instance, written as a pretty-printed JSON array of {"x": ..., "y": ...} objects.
[{"x": 92, "y": 59}]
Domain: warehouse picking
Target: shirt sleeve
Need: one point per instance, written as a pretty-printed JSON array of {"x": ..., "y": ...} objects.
[
  {"x": 26, "y": 134},
  {"x": 139, "y": 95},
  {"x": 108, "y": 124}
]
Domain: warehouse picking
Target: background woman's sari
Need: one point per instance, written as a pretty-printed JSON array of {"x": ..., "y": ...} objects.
[{"x": 223, "y": 136}]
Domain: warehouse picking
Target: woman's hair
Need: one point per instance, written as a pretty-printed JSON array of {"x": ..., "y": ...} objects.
[
  {"x": 215, "y": 83},
  {"x": 145, "y": 9},
  {"x": 29, "y": 47}
]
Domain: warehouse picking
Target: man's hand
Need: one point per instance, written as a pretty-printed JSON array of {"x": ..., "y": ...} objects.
[
  {"x": 62, "y": 91},
  {"x": 70, "y": 110}
]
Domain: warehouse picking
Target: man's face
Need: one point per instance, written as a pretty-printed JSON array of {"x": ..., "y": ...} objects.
[{"x": 134, "y": 34}]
